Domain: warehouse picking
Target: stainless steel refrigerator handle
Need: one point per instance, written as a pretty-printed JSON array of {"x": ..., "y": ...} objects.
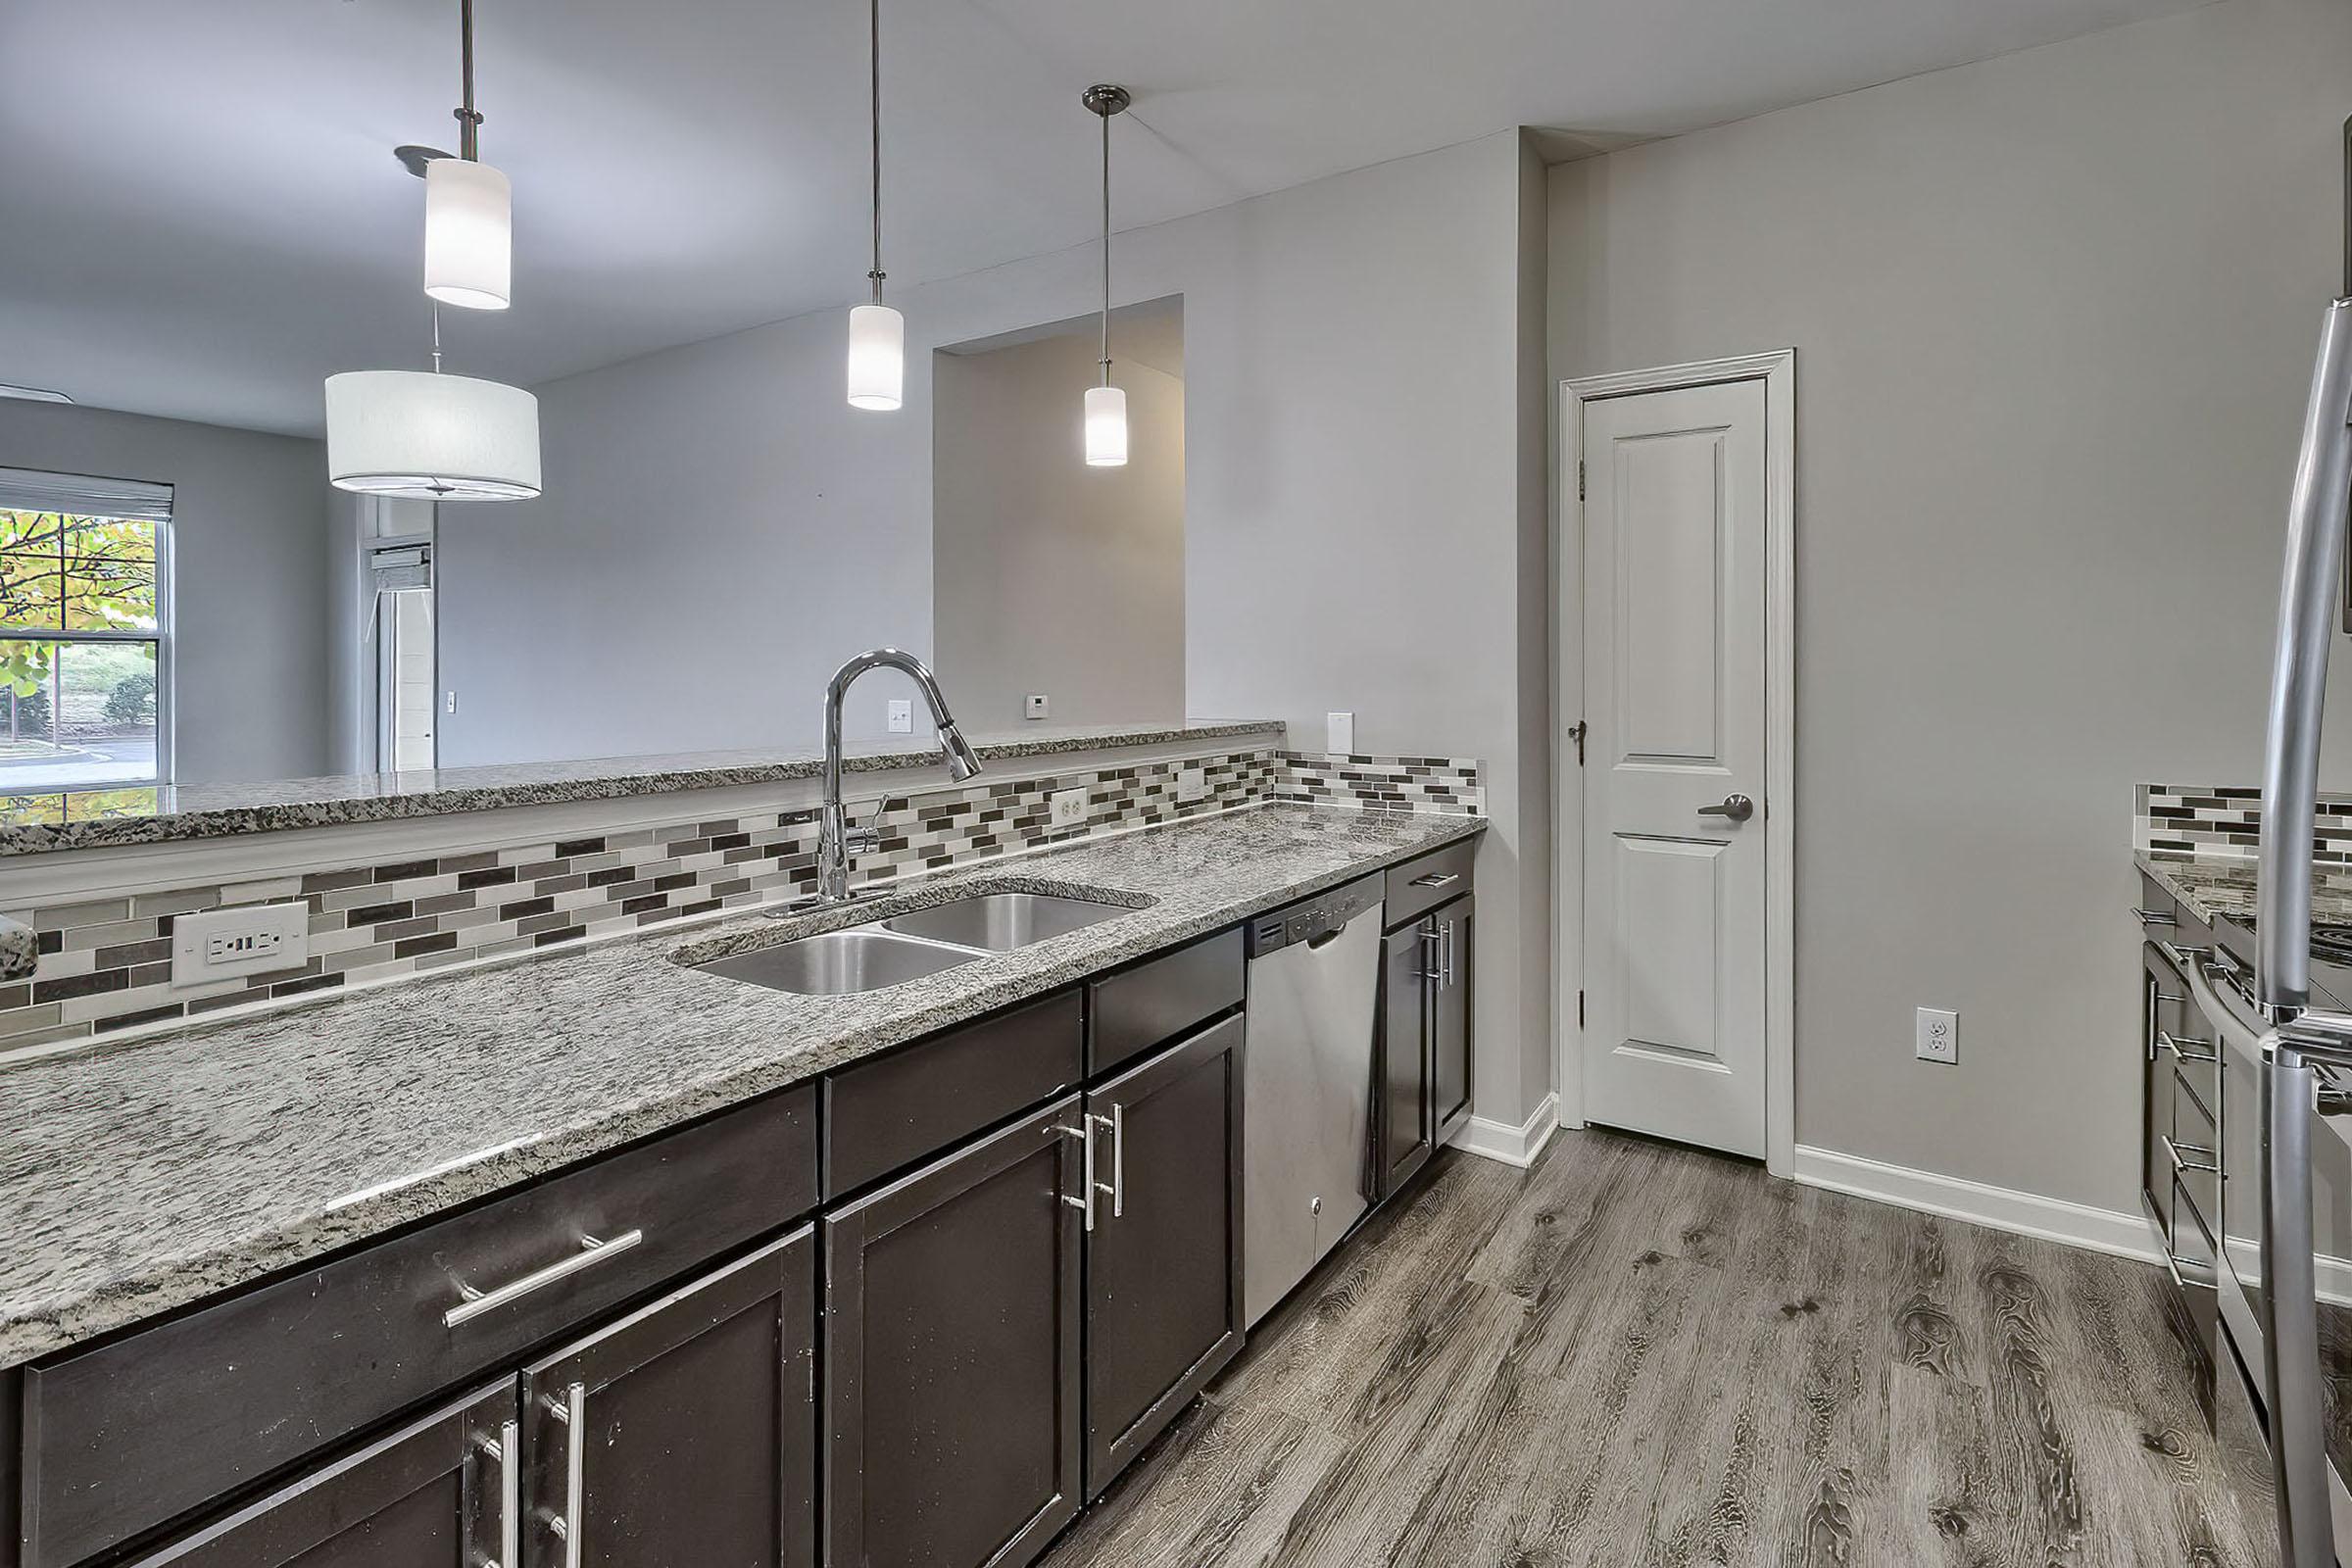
[
  {"x": 2290, "y": 772},
  {"x": 2307, "y": 595}
]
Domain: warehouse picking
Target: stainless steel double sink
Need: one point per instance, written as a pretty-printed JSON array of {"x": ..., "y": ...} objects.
[{"x": 900, "y": 948}]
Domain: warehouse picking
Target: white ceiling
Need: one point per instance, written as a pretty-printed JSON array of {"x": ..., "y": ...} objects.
[{"x": 200, "y": 215}]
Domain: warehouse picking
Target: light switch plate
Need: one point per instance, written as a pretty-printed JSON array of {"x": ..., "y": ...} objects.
[
  {"x": 1939, "y": 1036},
  {"x": 222, "y": 944},
  {"x": 1069, "y": 807},
  {"x": 1342, "y": 737},
  {"x": 902, "y": 715},
  {"x": 1037, "y": 706}
]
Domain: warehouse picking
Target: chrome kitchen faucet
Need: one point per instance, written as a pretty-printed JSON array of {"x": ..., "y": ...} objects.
[{"x": 836, "y": 842}]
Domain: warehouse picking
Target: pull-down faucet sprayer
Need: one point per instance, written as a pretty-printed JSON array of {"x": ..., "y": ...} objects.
[{"x": 836, "y": 842}]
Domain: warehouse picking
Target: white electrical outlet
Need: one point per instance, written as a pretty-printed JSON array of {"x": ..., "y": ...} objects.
[
  {"x": 1192, "y": 784},
  {"x": 1037, "y": 706},
  {"x": 1939, "y": 1036},
  {"x": 452, "y": 700},
  {"x": 218, "y": 944},
  {"x": 902, "y": 715},
  {"x": 1341, "y": 739},
  {"x": 1069, "y": 807}
]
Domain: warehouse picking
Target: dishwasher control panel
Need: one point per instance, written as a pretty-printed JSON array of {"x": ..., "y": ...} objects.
[{"x": 1311, "y": 918}]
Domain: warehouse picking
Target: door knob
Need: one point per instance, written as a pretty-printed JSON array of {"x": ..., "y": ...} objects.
[{"x": 1738, "y": 808}]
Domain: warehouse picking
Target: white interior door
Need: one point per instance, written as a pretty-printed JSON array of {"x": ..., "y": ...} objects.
[{"x": 1673, "y": 650}]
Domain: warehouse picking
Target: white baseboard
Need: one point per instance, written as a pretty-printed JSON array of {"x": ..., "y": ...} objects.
[
  {"x": 1512, "y": 1145},
  {"x": 2050, "y": 1219}
]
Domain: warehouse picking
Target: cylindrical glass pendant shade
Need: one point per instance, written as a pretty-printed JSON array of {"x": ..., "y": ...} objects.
[
  {"x": 1105, "y": 427},
  {"x": 469, "y": 234},
  {"x": 430, "y": 437},
  {"x": 877, "y": 357}
]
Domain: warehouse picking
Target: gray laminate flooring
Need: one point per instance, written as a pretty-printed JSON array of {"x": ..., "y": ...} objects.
[{"x": 1634, "y": 1353}]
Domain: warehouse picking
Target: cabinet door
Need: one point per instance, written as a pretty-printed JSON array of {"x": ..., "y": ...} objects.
[
  {"x": 685, "y": 1433},
  {"x": 951, "y": 1372},
  {"x": 1449, "y": 1025},
  {"x": 434, "y": 1494},
  {"x": 1401, "y": 1118},
  {"x": 1163, "y": 1260}
]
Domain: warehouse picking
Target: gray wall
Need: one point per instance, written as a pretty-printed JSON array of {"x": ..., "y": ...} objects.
[
  {"x": 719, "y": 530},
  {"x": 250, "y": 551},
  {"x": 1047, "y": 575},
  {"x": 2055, "y": 317}
]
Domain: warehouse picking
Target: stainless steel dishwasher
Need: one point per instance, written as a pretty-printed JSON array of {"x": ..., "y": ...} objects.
[{"x": 1306, "y": 1117}]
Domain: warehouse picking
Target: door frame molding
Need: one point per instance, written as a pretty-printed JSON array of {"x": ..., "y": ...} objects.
[{"x": 1777, "y": 370}]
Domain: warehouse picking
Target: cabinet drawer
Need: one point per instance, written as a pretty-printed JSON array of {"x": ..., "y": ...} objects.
[
  {"x": 1420, "y": 885},
  {"x": 895, "y": 1110},
  {"x": 201, "y": 1406},
  {"x": 1159, "y": 998}
]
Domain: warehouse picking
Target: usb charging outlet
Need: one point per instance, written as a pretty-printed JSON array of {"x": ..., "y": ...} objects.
[{"x": 222, "y": 944}]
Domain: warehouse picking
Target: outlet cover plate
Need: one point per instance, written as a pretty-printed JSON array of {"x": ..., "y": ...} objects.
[
  {"x": 902, "y": 715},
  {"x": 1192, "y": 784},
  {"x": 222, "y": 944},
  {"x": 1069, "y": 807},
  {"x": 1037, "y": 705},
  {"x": 1939, "y": 1036}
]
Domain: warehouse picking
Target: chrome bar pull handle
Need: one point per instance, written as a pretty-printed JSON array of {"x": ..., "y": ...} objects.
[
  {"x": 1446, "y": 954},
  {"x": 1738, "y": 808},
  {"x": 1429, "y": 954},
  {"x": 592, "y": 1252},
  {"x": 1436, "y": 879},
  {"x": 1084, "y": 1131},
  {"x": 505, "y": 1450},
  {"x": 2187, "y": 1048},
  {"x": 566, "y": 1526},
  {"x": 2154, "y": 916},
  {"x": 2190, "y": 1156},
  {"x": 1118, "y": 1161}
]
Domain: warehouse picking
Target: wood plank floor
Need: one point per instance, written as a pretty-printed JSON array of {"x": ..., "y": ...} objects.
[{"x": 1634, "y": 1353}]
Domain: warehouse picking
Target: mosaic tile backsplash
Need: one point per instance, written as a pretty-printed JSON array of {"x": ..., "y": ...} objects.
[
  {"x": 1382, "y": 783},
  {"x": 105, "y": 967},
  {"x": 2227, "y": 821}
]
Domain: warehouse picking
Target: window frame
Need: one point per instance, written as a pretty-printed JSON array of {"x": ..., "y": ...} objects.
[{"x": 166, "y": 691}]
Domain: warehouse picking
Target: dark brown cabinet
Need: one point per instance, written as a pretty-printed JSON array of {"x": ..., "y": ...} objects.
[
  {"x": 1424, "y": 1070},
  {"x": 1163, "y": 1295},
  {"x": 437, "y": 1493},
  {"x": 951, "y": 1407},
  {"x": 686, "y": 1432},
  {"x": 1403, "y": 1127}
]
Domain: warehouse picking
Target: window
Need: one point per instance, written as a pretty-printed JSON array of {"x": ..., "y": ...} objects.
[{"x": 84, "y": 632}]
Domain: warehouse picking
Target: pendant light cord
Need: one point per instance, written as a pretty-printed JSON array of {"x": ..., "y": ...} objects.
[
  {"x": 874, "y": 102},
  {"x": 470, "y": 123},
  {"x": 436, "y": 309},
  {"x": 1107, "y": 250}
]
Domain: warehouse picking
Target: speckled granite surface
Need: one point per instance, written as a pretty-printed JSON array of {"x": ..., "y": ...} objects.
[
  {"x": 18, "y": 948},
  {"x": 32, "y": 824},
  {"x": 140, "y": 1180},
  {"x": 2214, "y": 886}
]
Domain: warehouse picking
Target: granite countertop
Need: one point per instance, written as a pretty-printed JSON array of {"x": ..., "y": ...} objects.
[
  {"x": 137, "y": 1181},
  {"x": 36, "y": 821},
  {"x": 2215, "y": 887}
]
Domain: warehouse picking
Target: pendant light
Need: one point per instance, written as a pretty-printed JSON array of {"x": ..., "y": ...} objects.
[
  {"x": 469, "y": 209},
  {"x": 877, "y": 333},
  {"x": 425, "y": 436},
  {"x": 1106, "y": 405}
]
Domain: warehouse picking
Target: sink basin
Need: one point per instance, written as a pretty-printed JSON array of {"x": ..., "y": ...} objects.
[
  {"x": 838, "y": 964},
  {"x": 1003, "y": 921}
]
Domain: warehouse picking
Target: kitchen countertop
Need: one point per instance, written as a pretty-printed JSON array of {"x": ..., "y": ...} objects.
[
  {"x": 2214, "y": 886},
  {"x": 38, "y": 821},
  {"x": 137, "y": 1181}
]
